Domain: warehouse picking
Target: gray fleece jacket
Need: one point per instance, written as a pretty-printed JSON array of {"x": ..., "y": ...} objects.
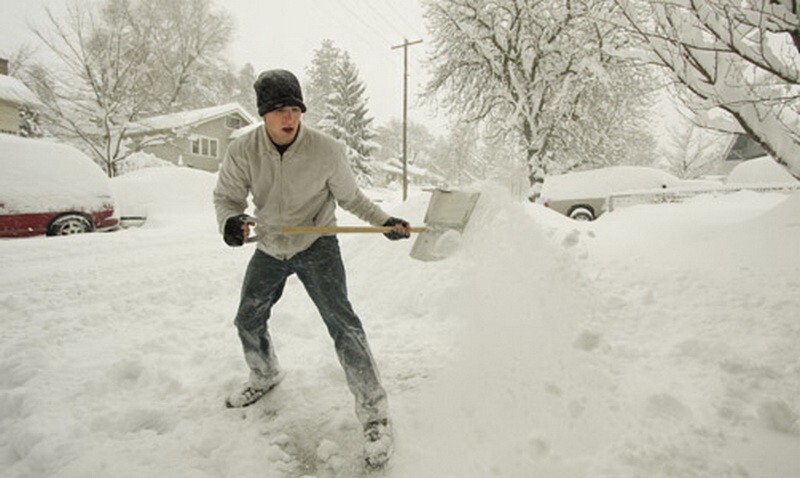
[{"x": 300, "y": 188}]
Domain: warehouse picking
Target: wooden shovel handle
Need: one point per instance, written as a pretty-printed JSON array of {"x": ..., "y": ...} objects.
[{"x": 342, "y": 229}]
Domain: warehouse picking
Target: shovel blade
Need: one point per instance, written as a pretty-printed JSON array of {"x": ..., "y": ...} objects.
[{"x": 447, "y": 215}]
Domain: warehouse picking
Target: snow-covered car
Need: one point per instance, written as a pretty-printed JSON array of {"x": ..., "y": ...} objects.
[
  {"x": 760, "y": 171},
  {"x": 583, "y": 195},
  {"x": 51, "y": 188}
]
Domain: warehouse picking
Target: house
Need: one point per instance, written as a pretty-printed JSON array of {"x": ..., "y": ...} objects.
[
  {"x": 13, "y": 95},
  {"x": 197, "y": 138}
]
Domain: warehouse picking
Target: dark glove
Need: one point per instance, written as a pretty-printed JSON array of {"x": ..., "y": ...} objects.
[
  {"x": 234, "y": 234},
  {"x": 394, "y": 235}
]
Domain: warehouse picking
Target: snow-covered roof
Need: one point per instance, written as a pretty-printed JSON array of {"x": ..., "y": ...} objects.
[
  {"x": 188, "y": 118},
  {"x": 13, "y": 90}
]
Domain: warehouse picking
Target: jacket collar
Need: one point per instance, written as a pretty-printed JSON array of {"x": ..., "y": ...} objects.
[{"x": 268, "y": 147}]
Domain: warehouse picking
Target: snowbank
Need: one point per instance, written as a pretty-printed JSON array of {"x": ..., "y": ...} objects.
[
  {"x": 140, "y": 160},
  {"x": 166, "y": 196}
]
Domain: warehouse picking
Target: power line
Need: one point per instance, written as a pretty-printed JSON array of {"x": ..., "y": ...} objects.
[
  {"x": 385, "y": 20},
  {"x": 402, "y": 18},
  {"x": 363, "y": 22},
  {"x": 356, "y": 31}
]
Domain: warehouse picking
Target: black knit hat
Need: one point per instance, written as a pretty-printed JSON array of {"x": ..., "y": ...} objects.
[{"x": 276, "y": 89}]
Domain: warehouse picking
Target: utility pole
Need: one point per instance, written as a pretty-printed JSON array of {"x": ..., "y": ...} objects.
[{"x": 405, "y": 46}]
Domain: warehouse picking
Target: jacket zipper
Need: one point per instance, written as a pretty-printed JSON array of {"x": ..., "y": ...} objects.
[{"x": 281, "y": 196}]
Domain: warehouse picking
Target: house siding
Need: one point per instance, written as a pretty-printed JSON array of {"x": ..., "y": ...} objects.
[
  {"x": 9, "y": 117},
  {"x": 180, "y": 150}
]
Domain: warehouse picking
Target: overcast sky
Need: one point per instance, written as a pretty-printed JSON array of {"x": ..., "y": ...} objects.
[{"x": 284, "y": 34}]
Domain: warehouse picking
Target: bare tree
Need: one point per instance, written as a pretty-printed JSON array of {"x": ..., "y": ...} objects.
[
  {"x": 239, "y": 88},
  {"x": 420, "y": 154},
  {"x": 543, "y": 74},
  {"x": 123, "y": 60},
  {"x": 740, "y": 57},
  {"x": 390, "y": 139},
  {"x": 693, "y": 151},
  {"x": 456, "y": 156},
  {"x": 188, "y": 42}
]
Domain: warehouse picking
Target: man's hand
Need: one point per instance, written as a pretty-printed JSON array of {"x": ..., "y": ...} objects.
[
  {"x": 237, "y": 229},
  {"x": 401, "y": 229}
]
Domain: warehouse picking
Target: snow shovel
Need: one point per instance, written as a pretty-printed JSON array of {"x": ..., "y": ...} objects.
[{"x": 447, "y": 216}]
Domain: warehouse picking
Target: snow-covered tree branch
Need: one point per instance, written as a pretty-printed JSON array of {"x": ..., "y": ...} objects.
[
  {"x": 742, "y": 58},
  {"x": 693, "y": 150}
]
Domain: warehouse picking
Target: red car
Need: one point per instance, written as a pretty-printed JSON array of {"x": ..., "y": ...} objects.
[{"x": 51, "y": 188}]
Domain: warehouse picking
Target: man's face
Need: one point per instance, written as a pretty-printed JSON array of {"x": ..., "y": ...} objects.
[{"x": 283, "y": 124}]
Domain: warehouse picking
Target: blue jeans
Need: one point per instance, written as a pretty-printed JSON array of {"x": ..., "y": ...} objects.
[{"x": 321, "y": 271}]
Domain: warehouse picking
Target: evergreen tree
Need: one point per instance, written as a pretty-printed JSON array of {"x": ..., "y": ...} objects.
[
  {"x": 346, "y": 119},
  {"x": 319, "y": 88}
]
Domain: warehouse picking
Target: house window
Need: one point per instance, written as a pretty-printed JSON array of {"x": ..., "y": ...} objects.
[
  {"x": 233, "y": 122},
  {"x": 203, "y": 146}
]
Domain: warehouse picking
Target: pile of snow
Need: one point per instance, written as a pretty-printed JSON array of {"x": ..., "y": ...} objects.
[
  {"x": 140, "y": 160},
  {"x": 41, "y": 176},
  {"x": 658, "y": 341},
  {"x": 170, "y": 196},
  {"x": 760, "y": 171},
  {"x": 699, "y": 329}
]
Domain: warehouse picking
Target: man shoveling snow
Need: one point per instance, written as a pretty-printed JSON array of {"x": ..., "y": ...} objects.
[{"x": 296, "y": 176}]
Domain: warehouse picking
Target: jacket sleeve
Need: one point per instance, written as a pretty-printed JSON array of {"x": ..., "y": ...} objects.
[
  {"x": 233, "y": 186},
  {"x": 349, "y": 196}
]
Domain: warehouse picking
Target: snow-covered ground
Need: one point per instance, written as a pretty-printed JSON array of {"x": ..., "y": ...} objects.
[{"x": 659, "y": 341}]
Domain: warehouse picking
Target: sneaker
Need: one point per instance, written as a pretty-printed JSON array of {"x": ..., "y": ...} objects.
[
  {"x": 250, "y": 393},
  {"x": 379, "y": 444}
]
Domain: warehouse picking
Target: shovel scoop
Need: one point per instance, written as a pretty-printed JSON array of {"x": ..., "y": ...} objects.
[{"x": 447, "y": 215}]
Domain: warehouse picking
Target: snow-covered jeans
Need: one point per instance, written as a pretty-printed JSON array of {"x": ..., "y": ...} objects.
[{"x": 321, "y": 271}]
